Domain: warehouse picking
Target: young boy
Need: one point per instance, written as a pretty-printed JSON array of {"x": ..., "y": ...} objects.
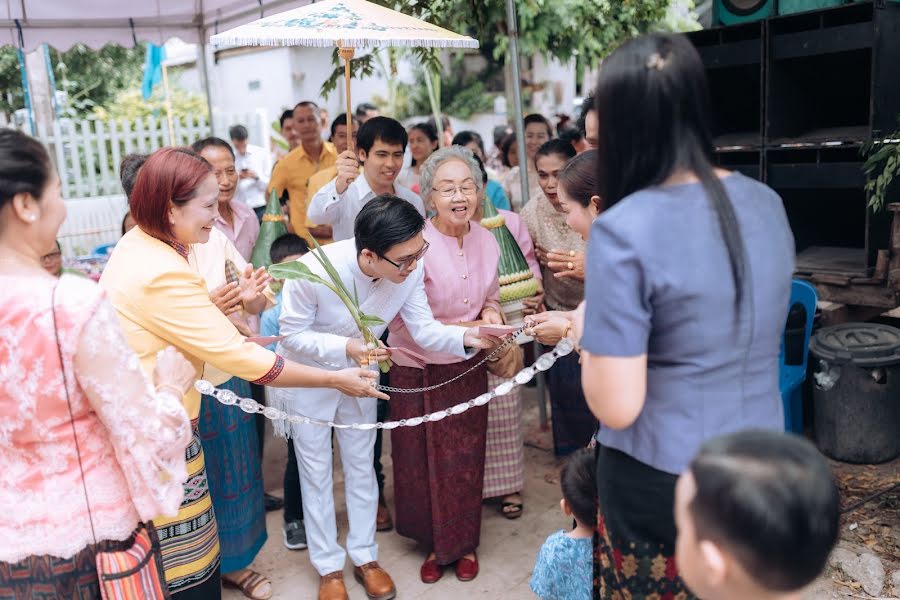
[
  {"x": 757, "y": 515},
  {"x": 564, "y": 565},
  {"x": 285, "y": 248}
]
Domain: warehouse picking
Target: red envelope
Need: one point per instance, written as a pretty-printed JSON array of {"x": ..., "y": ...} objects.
[
  {"x": 497, "y": 330},
  {"x": 407, "y": 358},
  {"x": 265, "y": 341}
]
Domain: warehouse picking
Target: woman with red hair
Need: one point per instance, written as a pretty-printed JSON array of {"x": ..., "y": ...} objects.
[{"x": 162, "y": 301}]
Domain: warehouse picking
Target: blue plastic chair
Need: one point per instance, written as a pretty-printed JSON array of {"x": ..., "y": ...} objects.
[
  {"x": 792, "y": 369},
  {"x": 104, "y": 250}
]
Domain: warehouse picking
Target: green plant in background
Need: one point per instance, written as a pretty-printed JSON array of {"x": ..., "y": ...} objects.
[
  {"x": 130, "y": 105},
  {"x": 882, "y": 164},
  {"x": 298, "y": 270}
]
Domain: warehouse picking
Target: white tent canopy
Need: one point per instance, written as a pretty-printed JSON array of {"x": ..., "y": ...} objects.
[{"x": 64, "y": 23}]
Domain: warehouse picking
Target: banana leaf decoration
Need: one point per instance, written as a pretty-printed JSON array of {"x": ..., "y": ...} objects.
[
  {"x": 272, "y": 227},
  {"x": 517, "y": 282},
  {"x": 298, "y": 270}
]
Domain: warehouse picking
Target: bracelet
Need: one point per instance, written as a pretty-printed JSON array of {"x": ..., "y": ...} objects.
[
  {"x": 567, "y": 330},
  {"x": 174, "y": 389}
]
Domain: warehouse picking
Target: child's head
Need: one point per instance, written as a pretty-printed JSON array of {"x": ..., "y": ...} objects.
[
  {"x": 757, "y": 515},
  {"x": 579, "y": 487},
  {"x": 289, "y": 246}
]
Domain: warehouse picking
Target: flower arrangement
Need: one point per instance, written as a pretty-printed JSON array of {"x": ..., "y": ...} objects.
[{"x": 517, "y": 282}]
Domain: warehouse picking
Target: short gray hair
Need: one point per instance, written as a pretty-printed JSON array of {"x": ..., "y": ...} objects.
[{"x": 439, "y": 157}]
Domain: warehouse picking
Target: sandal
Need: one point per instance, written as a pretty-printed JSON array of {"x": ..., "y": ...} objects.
[
  {"x": 512, "y": 509},
  {"x": 249, "y": 583}
]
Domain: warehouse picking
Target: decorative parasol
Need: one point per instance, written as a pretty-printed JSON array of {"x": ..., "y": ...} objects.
[{"x": 346, "y": 24}]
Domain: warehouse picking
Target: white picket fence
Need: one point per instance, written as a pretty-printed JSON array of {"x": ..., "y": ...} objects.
[{"x": 87, "y": 155}]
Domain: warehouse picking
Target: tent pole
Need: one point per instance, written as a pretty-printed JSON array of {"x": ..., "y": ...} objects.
[
  {"x": 206, "y": 86},
  {"x": 519, "y": 125}
]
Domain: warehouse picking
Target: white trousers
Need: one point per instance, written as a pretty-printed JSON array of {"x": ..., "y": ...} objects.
[{"x": 314, "y": 459}]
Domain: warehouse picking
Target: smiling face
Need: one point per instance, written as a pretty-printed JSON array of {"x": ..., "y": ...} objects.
[
  {"x": 455, "y": 195},
  {"x": 381, "y": 165},
  {"x": 579, "y": 218},
  {"x": 194, "y": 220},
  {"x": 223, "y": 168},
  {"x": 548, "y": 168},
  {"x": 406, "y": 254},
  {"x": 535, "y": 137},
  {"x": 420, "y": 146}
]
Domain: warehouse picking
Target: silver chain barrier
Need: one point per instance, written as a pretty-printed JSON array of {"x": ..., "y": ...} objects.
[
  {"x": 506, "y": 343},
  {"x": 543, "y": 363}
]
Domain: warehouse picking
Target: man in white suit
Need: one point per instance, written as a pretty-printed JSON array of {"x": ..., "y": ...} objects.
[{"x": 382, "y": 263}]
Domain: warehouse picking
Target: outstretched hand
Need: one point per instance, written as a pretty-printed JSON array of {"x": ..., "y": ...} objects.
[
  {"x": 253, "y": 283},
  {"x": 359, "y": 383}
]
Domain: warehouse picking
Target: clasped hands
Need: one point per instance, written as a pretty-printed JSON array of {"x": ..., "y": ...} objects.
[
  {"x": 564, "y": 263},
  {"x": 247, "y": 293}
]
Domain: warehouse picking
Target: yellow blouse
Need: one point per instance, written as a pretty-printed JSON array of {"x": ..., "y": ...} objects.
[{"x": 162, "y": 301}]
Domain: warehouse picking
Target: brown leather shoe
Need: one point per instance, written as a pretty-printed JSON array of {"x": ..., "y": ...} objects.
[
  {"x": 331, "y": 587},
  {"x": 383, "y": 521},
  {"x": 377, "y": 582}
]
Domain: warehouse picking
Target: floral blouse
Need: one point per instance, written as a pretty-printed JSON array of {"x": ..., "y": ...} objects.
[
  {"x": 131, "y": 438},
  {"x": 564, "y": 568}
]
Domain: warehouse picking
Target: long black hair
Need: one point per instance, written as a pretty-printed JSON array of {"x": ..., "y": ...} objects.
[{"x": 653, "y": 103}]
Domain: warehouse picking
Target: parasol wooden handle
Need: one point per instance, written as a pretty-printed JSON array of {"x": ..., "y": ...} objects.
[{"x": 347, "y": 55}]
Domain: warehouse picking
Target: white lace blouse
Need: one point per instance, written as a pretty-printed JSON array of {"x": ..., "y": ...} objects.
[{"x": 131, "y": 438}]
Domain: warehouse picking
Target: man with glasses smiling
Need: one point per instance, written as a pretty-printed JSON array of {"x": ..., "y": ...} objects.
[{"x": 382, "y": 264}]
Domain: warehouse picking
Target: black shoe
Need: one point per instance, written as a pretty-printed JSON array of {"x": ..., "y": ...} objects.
[
  {"x": 273, "y": 503},
  {"x": 294, "y": 534}
]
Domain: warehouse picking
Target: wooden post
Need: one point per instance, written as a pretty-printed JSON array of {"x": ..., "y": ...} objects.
[{"x": 347, "y": 54}]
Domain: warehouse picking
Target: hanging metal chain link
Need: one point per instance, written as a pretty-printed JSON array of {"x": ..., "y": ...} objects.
[
  {"x": 249, "y": 405},
  {"x": 506, "y": 343}
]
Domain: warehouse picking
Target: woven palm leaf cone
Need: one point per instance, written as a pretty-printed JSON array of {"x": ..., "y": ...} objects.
[
  {"x": 517, "y": 282},
  {"x": 272, "y": 227}
]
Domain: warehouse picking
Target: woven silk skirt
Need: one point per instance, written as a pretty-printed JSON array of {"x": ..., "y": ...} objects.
[
  {"x": 634, "y": 549},
  {"x": 439, "y": 467},
  {"x": 190, "y": 540}
]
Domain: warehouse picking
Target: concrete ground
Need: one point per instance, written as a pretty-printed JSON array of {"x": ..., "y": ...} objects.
[
  {"x": 506, "y": 555},
  {"x": 508, "y": 548}
]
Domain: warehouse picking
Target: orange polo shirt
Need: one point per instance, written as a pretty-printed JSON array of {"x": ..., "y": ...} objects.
[{"x": 292, "y": 173}]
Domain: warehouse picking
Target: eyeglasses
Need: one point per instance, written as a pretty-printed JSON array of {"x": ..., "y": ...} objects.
[
  {"x": 403, "y": 265},
  {"x": 51, "y": 257},
  {"x": 467, "y": 189}
]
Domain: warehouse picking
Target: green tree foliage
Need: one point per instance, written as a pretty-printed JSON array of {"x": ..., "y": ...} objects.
[
  {"x": 561, "y": 29},
  {"x": 130, "y": 105},
  {"x": 91, "y": 78}
]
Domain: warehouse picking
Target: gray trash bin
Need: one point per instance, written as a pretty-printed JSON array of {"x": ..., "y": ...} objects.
[{"x": 857, "y": 392}]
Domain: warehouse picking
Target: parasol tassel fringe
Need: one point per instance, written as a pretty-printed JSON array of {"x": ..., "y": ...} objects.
[{"x": 219, "y": 40}]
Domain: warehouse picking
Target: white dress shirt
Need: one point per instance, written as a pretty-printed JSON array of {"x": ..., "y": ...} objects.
[
  {"x": 339, "y": 210},
  {"x": 252, "y": 192},
  {"x": 311, "y": 310}
]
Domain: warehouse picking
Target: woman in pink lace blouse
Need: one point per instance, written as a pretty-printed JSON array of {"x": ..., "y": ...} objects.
[{"x": 131, "y": 436}]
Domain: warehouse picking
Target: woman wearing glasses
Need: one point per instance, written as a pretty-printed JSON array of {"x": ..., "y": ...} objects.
[{"x": 439, "y": 467}]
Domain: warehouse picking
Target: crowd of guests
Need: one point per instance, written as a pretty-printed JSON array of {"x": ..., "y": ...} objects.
[{"x": 670, "y": 274}]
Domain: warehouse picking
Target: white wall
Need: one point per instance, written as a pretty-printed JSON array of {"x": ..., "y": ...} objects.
[{"x": 558, "y": 95}]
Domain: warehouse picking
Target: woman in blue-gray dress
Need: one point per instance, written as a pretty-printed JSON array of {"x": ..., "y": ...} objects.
[{"x": 688, "y": 280}]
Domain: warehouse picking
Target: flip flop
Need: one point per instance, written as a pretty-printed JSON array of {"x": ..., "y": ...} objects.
[
  {"x": 511, "y": 510},
  {"x": 249, "y": 584}
]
